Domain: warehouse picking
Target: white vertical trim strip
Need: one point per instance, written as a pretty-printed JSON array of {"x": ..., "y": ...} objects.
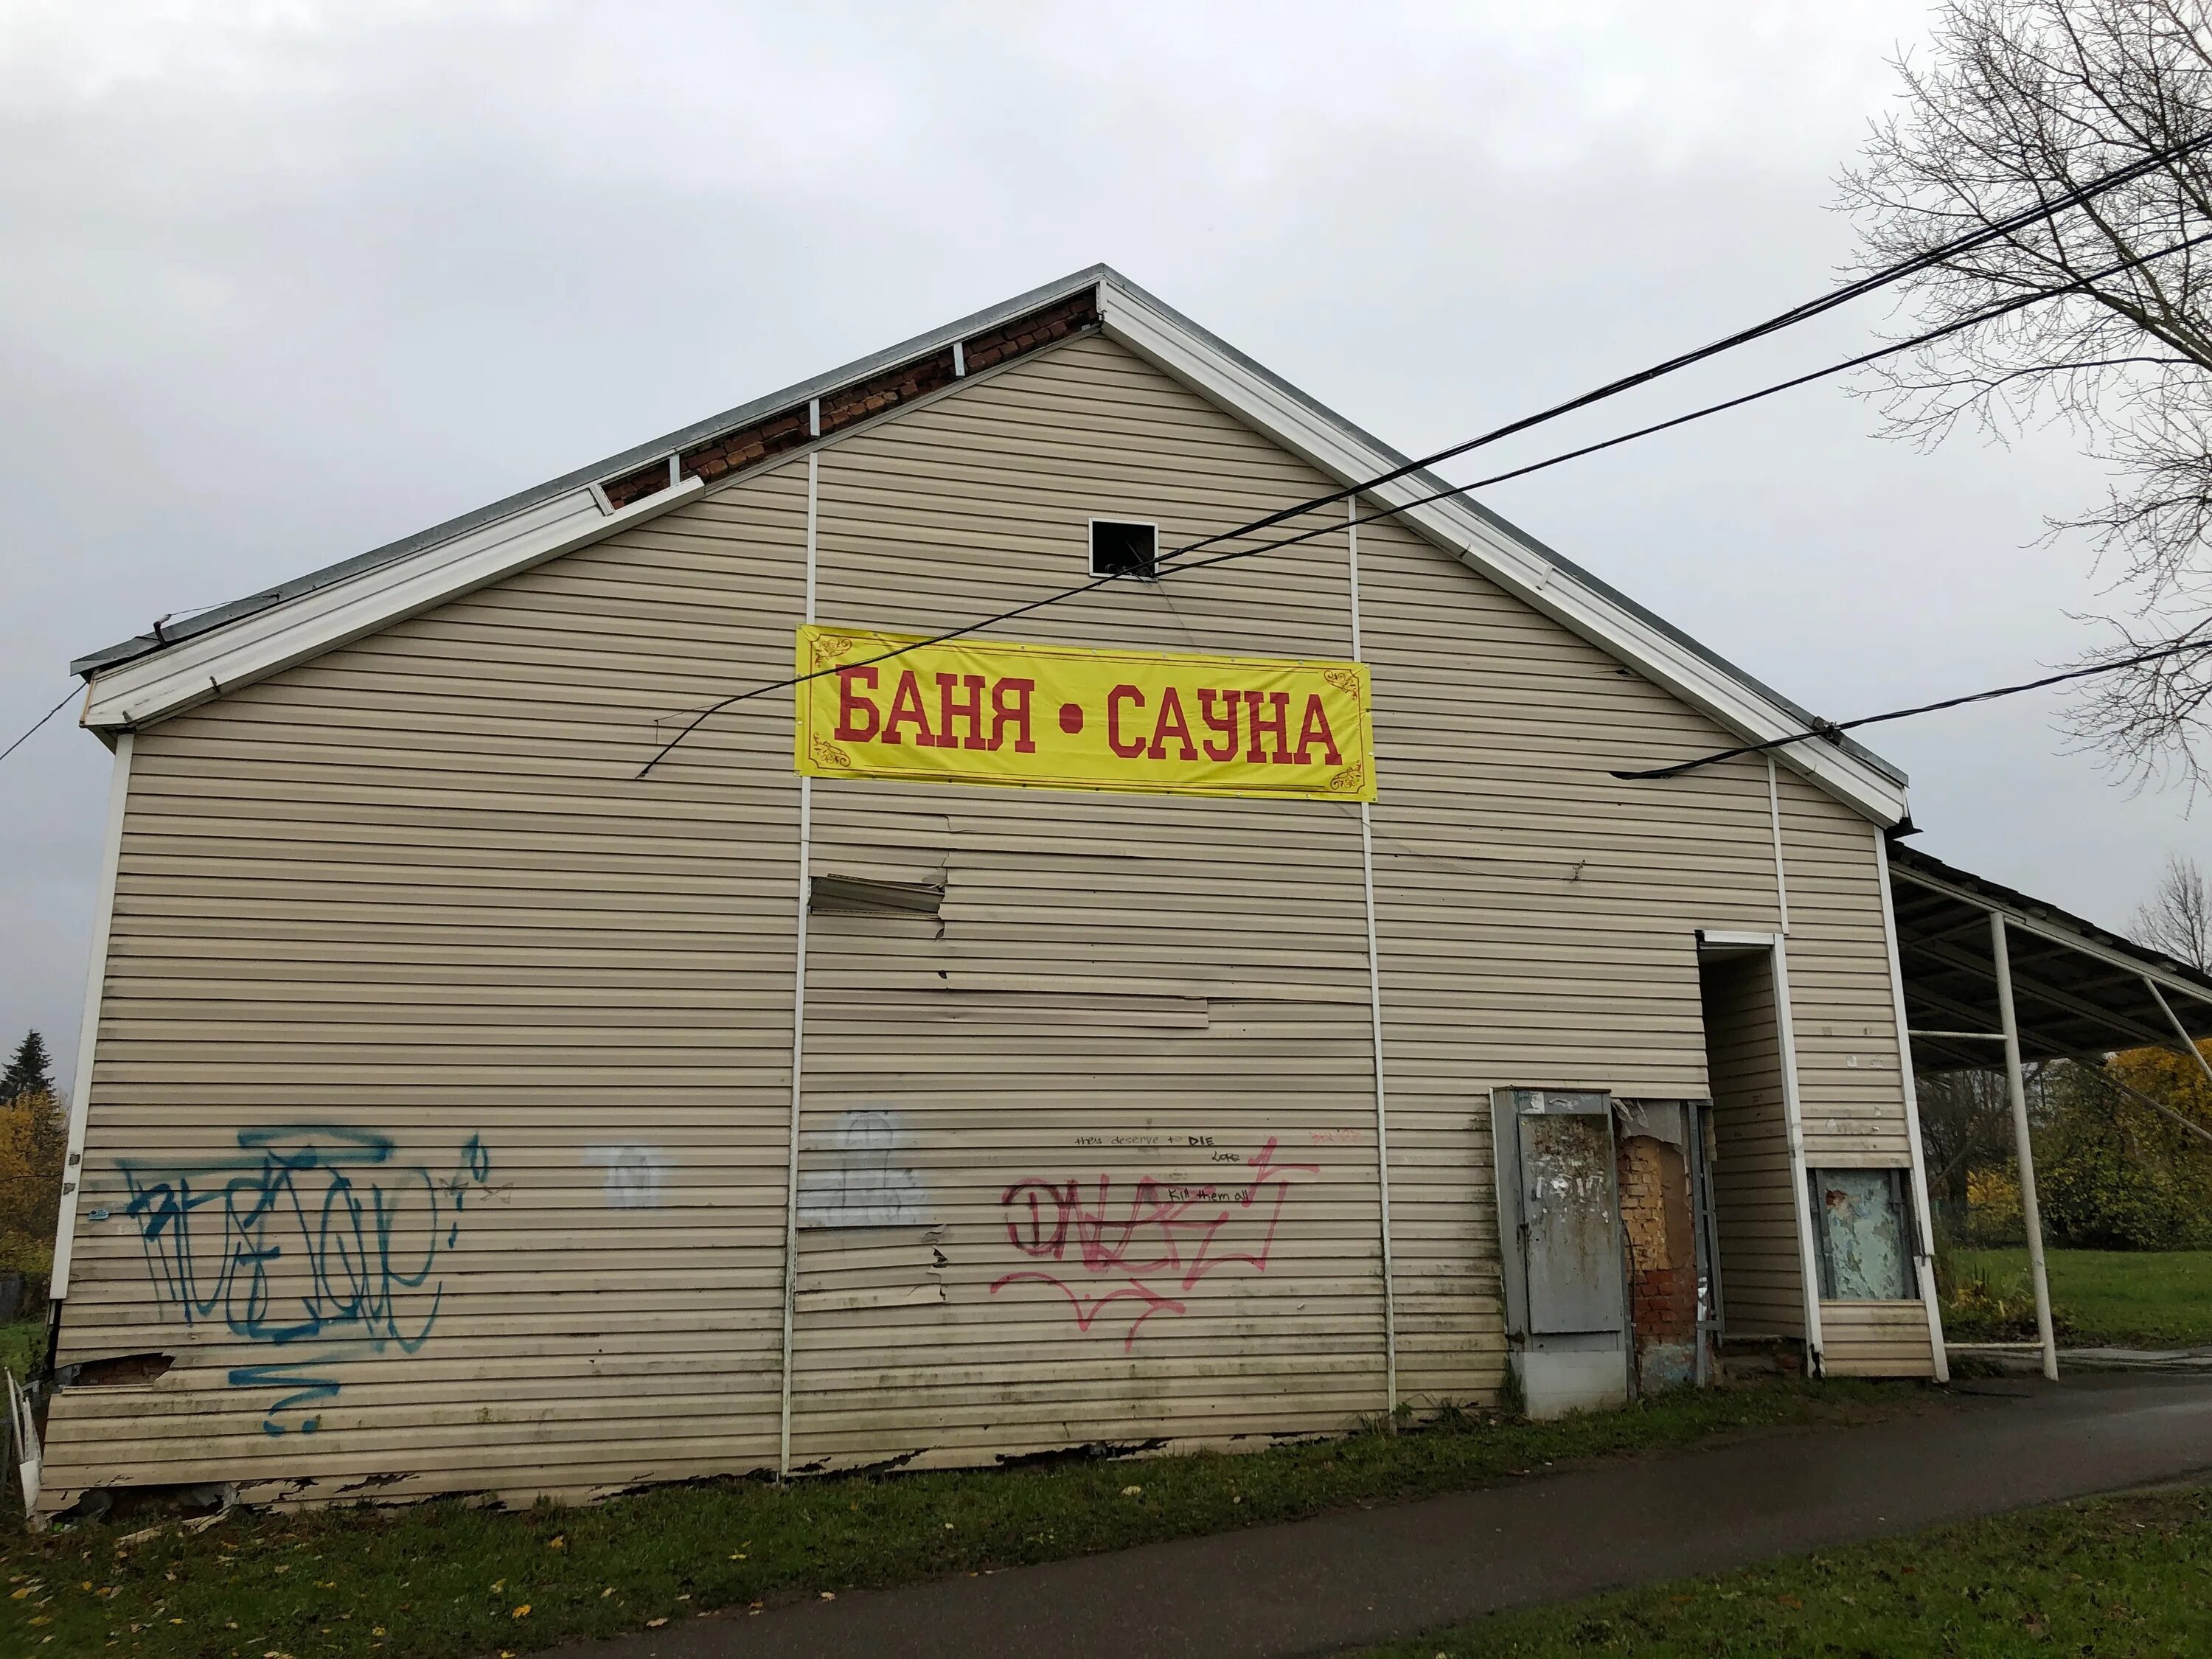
[
  {"x": 1375, "y": 1011},
  {"x": 1793, "y": 1122},
  {"x": 798, "y": 1009},
  {"x": 813, "y": 479},
  {"x": 1774, "y": 824},
  {"x": 1921, "y": 1206},
  {"x": 1352, "y": 546},
  {"x": 87, "y": 1036}
]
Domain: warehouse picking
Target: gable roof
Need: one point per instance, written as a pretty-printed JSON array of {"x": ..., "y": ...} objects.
[{"x": 158, "y": 673}]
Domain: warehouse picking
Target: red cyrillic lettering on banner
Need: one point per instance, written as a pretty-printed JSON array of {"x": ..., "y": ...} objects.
[
  {"x": 1134, "y": 746},
  {"x": 906, "y": 710},
  {"x": 1171, "y": 724},
  {"x": 851, "y": 705},
  {"x": 972, "y": 710},
  {"x": 1315, "y": 729},
  {"x": 1278, "y": 722},
  {"x": 1225, "y": 723},
  {"x": 1010, "y": 706}
]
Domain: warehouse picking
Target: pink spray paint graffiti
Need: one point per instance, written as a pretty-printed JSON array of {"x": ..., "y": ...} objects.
[{"x": 1148, "y": 1249}]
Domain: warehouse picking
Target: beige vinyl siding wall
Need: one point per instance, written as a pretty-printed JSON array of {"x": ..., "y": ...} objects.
[
  {"x": 410, "y": 890},
  {"x": 1876, "y": 1339},
  {"x": 433, "y": 839},
  {"x": 1848, "y": 1080},
  {"x": 1850, "y": 1054},
  {"x": 1136, "y": 995},
  {"x": 1537, "y": 916}
]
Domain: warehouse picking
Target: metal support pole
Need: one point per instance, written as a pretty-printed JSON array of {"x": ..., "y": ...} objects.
[
  {"x": 2188, "y": 1042},
  {"x": 2030, "y": 1212}
]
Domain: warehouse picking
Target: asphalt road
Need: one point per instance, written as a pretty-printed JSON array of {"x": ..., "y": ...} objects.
[{"x": 1316, "y": 1587}]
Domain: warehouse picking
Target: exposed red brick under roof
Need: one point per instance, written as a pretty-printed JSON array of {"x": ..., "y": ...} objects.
[{"x": 787, "y": 429}]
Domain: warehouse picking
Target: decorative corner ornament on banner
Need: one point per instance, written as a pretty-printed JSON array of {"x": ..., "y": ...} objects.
[{"x": 1068, "y": 717}]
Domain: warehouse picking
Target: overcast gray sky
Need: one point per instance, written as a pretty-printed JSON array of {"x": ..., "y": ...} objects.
[{"x": 282, "y": 282}]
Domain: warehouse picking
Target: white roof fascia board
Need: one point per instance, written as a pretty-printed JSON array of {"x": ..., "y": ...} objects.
[
  {"x": 615, "y": 466},
  {"x": 168, "y": 682},
  {"x": 1537, "y": 581}
]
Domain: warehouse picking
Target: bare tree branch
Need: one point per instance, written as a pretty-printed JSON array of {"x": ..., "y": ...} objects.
[
  {"x": 2021, "y": 100},
  {"x": 2177, "y": 918}
]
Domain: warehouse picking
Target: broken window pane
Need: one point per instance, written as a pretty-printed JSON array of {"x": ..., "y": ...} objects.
[{"x": 1861, "y": 1232}]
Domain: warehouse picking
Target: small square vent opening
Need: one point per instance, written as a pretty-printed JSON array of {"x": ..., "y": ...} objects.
[{"x": 1122, "y": 548}]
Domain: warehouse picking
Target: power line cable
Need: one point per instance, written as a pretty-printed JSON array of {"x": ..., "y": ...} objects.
[
  {"x": 1167, "y": 565},
  {"x": 2019, "y": 302},
  {"x": 2042, "y": 208},
  {"x": 1833, "y": 729},
  {"x": 38, "y": 722}
]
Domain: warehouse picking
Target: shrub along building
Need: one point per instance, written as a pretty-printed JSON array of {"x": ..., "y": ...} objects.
[{"x": 1223, "y": 1004}]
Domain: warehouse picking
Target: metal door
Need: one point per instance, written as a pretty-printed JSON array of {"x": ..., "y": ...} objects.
[{"x": 1570, "y": 1237}]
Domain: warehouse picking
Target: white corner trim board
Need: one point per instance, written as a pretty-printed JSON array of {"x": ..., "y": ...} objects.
[
  {"x": 251, "y": 648},
  {"x": 95, "y": 984},
  {"x": 1520, "y": 569}
]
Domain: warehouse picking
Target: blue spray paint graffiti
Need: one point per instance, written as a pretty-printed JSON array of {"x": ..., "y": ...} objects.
[{"x": 310, "y": 1235}]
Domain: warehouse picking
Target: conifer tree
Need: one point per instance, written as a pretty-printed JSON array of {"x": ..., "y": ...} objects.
[{"x": 31, "y": 1072}]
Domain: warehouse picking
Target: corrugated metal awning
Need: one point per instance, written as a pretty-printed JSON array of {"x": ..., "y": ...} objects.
[{"x": 2079, "y": 989}]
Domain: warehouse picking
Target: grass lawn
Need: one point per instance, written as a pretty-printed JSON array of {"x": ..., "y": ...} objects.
[
  {"x": 2130, "y": 1298},
  {"x": 443, "y": 1579},
  {"x": 2116, "y": 1576}
]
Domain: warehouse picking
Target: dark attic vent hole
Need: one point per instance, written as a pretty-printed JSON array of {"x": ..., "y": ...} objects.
[{"x": 1124, "y": 548}]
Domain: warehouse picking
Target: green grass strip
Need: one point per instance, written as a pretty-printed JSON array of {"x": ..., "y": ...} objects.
[
  {"x": 2123, "y": 1298},
  {"x": 444, "y": 1579},
  {"x": 2118, "y": 1577}
]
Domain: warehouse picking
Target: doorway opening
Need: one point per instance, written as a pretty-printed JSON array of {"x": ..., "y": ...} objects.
[{"x": 1756, "y": 1206}]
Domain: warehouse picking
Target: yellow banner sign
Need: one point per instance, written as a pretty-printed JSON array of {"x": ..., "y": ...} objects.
[{"x": 1065, "y": 717}]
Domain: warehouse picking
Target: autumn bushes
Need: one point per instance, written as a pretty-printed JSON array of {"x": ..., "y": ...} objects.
[{"x": 34, "y": 1141}]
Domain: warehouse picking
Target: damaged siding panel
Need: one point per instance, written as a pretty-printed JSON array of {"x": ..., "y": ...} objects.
[
  {"x": 397, "y": 927},
  {"x": 1138, "y": 1232},
  {"x": 1876, "y": 1339}
]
